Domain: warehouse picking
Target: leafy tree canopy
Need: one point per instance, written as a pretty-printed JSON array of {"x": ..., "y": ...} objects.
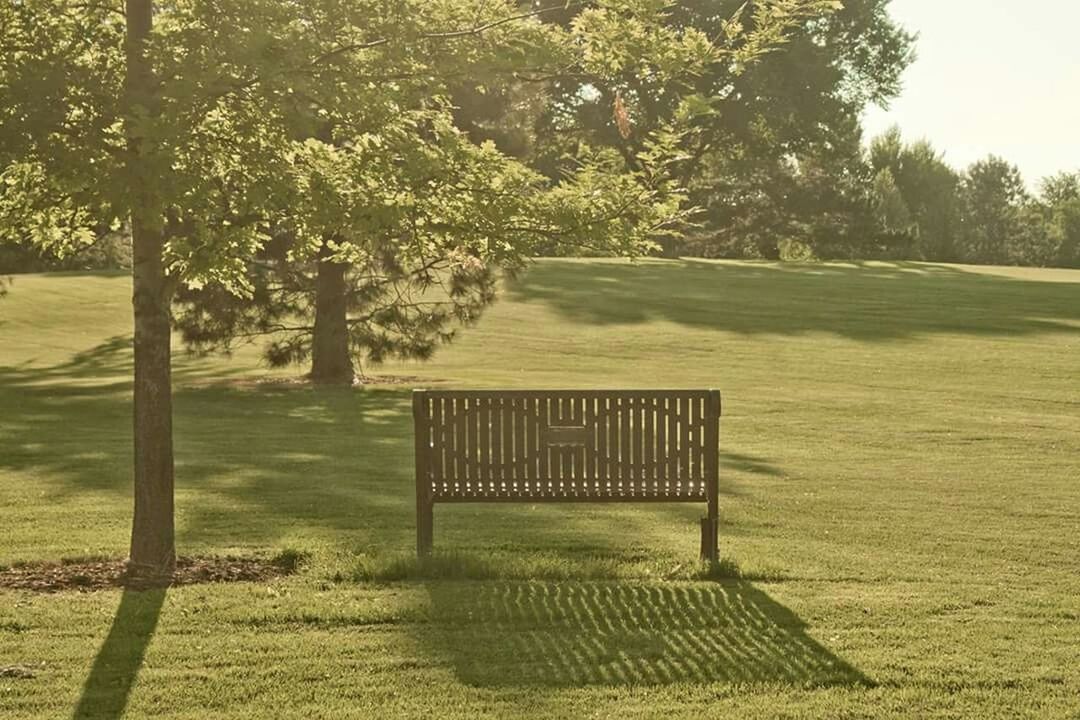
[{"x": 326, "y": 117}]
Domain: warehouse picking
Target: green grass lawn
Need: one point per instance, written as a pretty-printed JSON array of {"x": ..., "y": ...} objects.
[{"x": 900, "y": 488}]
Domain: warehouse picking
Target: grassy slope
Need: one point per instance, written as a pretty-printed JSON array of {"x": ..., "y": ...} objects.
[{"x": 901, "y": 487}]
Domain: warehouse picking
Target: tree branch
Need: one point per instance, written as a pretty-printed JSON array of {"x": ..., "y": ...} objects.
[{"x": 448, "y": 35}]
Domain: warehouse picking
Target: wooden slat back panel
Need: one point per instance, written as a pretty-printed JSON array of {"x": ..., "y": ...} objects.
[{"x": 567, "y": 445}]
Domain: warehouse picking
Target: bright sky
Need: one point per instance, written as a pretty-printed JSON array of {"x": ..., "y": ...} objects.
[{"x": 992, "y": 76}]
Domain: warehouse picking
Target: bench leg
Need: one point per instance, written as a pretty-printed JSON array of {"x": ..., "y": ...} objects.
[
  {"x": 710, "y": 539},
  {"x": 425, "y": 528}
]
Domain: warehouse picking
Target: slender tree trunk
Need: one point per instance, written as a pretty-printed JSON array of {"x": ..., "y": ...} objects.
[
  {"x": 331, "y": 361},
  {"x": 153, "y": 550}
]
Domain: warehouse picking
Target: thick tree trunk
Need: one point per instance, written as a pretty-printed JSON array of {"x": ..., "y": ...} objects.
[
  {"x": 331, "y": 361},
  {"x": 153, "y": 550}
]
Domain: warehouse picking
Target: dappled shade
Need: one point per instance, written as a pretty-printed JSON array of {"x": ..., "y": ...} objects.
[{"x": 338, "y": 463}]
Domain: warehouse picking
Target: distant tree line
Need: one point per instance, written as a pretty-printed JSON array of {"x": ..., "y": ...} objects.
[
  {"x": 897, "y": 201},
  {"x": 902, "y": 201}
]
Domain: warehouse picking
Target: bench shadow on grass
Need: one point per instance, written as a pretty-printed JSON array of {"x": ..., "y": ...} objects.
[
  {"x": 105, "y": 693},
  {"x": 616, "y": 634}
]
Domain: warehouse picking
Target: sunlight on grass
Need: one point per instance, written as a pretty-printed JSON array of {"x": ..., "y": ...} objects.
[{"x": 898, "y": 503}]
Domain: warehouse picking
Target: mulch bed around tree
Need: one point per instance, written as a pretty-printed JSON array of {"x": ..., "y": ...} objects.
[{"x": 104, "y": 574}]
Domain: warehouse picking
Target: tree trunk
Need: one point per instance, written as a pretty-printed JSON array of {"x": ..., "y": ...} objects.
[
  {"x": 153, "y": 550},
  {"x": 331, "y": 361}
]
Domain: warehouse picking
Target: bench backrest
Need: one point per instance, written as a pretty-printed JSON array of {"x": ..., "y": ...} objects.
[{"x": 571, "y": 445}]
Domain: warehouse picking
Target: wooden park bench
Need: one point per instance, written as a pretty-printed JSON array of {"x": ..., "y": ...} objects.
[{"x": 573, "y": 446}]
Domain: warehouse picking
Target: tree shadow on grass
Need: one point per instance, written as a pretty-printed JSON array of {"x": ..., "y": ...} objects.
[
  {"x": 862, "y": 301},
  {"x": 106, "y": 691},
  {"x": 255, "y": 464},
  {"x": 252, "y": 463},
  {"x": 572, "y": 634}
]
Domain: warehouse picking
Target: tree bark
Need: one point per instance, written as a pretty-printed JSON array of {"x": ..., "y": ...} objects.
[
  {"x": 331, "y": 360},
  {"x": 153, "y": 549}
]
